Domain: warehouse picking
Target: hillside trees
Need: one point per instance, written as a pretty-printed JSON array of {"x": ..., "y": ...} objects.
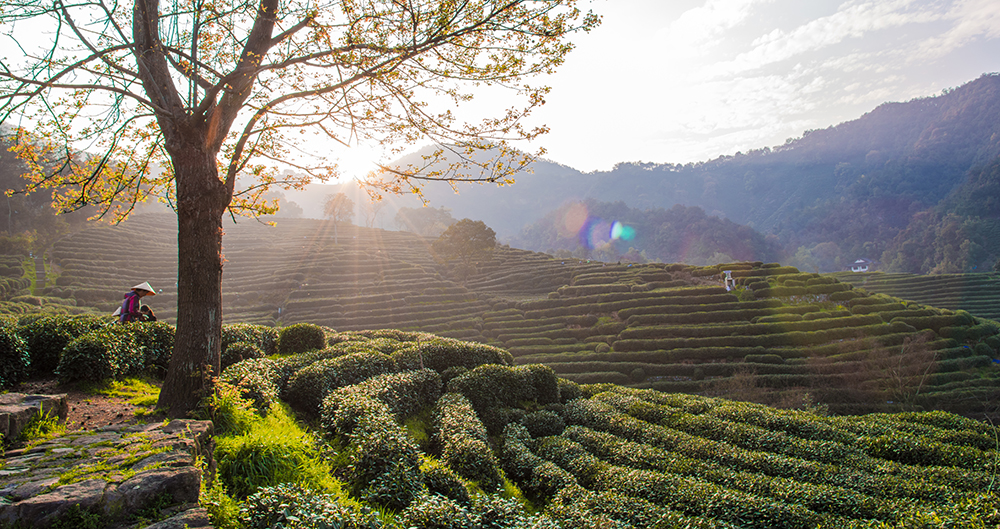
[
  {"x": 426, "y": 221},
  {"x": 338, "y": 208},
  {"x": 201, "y": 105},
  {"x": 467, "y": 241}
]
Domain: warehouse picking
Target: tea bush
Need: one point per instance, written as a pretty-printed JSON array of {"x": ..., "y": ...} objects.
[
  {"x": 15, "y": 360},
  {"x": 463, "y": 441},
  {"x": 403, "y": 394},
  {"x": 440, "y": 479},
  {"x": 239, "y": 351},
  {"x": 156, "y": 339},
  {"x": 440, "y": 354},
  {"x": 301, "y": 337},
  {"x": 385, "y": 462},
  {"x": 291, "y": 505},
  {"x": 262, "y": 336},
  {"x": 307, "y": 388},
  {"x": 109, "y": 352},
  {"x": 257, "y": 380},
  {"x": 47, "y": 336}
]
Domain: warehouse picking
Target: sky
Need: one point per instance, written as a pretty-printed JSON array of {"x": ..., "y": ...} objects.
[{"x": 688, "y": 80}]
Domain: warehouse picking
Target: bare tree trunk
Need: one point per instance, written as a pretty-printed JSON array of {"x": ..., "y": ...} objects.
[{"x": 201, "y": 202}]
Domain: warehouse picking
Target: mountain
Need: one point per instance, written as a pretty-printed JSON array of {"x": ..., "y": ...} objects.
[{"x": 854, "y": 187}]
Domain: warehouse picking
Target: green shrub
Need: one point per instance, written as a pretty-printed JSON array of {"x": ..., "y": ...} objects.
[
  {"x": 263, "y": 336},
  {"x": 463, "y": 441},
  {"x": 568, "y": 390},
  {"x": 436, "y": 512},
  {"x": 440, "y": 354},
  {"x": 308, "y": 387},
  {"x": 239, "y": 351},
  {"x": 301, "y": 337},
  {"x": 291, "y": 505},
  {"x": 47, "y": 336},
  {"x": 385, "y": 463},
  {"x": 15, "y": 360},
  {"x": 402, "y": 395},
  {"x": 156, "y": 339},
  {"x": 543, "y": 423},
  {"x": 256, "y": 379},
  {"x": 442, "y": 480},
  {"x": 492, "y": 387},
  {"x": 109, "y": 352}
]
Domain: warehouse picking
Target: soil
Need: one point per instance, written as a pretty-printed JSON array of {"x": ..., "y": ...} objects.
[{"x": 86, "y": 410}]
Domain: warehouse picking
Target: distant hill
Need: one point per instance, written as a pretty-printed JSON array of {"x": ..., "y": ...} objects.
[{"x": 854, "y": 187}]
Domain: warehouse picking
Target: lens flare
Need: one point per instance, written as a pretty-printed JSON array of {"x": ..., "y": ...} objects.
[{"x": 573, "y": 220}]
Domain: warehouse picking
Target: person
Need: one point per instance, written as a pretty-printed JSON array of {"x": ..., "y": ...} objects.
[
  {"x": 130, "y": 305},
  {"x": 147, "y": 313}
]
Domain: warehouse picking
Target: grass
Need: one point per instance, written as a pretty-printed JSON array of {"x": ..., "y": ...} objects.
[{"x": 41, "y": 427}]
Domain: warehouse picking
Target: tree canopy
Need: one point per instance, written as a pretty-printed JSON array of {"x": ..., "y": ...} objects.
[
  {"x": 467, "y": 240},
  {"x": 206, "y": 105}
]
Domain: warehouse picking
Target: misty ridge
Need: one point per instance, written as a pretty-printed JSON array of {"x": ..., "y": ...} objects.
[{"x": 909, "y": 186}]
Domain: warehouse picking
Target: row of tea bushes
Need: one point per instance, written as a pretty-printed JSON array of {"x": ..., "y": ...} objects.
[{"x": 974, "y": 293}]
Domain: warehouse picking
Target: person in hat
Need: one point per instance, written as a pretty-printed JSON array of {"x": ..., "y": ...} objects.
[{"x": 130, "y": 310}]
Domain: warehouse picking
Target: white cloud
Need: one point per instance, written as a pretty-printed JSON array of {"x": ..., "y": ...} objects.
[
  {"x": 971, "y": 19},
  {"x": 852, "y": 20}
]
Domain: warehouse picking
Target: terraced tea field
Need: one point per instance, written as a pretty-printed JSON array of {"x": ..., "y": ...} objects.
[
  {"x": 777, "y": 337},
  {"x": 979, "y": 294}
]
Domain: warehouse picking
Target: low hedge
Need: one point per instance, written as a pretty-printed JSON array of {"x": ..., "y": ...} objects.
[
  {"x": 440, "y": 354},
  {"x": 301, "y": 337},
  {"x": 239, "y": 351},
  {"x": 492, "y": 387},
  {"x": 463, "y": 441},
  {"x": 289, "y": 504},
  {"x": 15, "y": 360},
  {"x": 109, "y": 352},
  {"x": 257, "y": 380},
  {"x": 403, "y": 394},
  {"x": 307, "y": 388},
  {"x": 47, "y": 336},
  {"x": 263, "y": 336}
]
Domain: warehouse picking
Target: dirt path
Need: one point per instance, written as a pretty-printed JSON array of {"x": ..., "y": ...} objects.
[{"x": 86, "y": 411}]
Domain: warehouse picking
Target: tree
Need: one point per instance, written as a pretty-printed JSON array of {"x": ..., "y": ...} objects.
[
  {"x": 466, "y": 240},
  {"x": 426, "y": 221},
  {"x": 201, "y": 105},
  {"x": 338, "y": 208},
  {"x": 372, "y": 209}
]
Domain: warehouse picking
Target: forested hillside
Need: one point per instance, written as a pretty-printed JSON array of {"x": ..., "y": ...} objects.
[{"x": 904, "y": 174}]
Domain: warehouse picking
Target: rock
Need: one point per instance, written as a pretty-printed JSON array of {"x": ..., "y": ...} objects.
[
  {"x": 196, "y": 518},
  {"x": 46, "y": 509},
  {"x": 17, "y": 410}
]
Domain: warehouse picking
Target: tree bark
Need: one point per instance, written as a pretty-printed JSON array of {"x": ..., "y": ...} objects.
[{"x": 201, "y": 201}]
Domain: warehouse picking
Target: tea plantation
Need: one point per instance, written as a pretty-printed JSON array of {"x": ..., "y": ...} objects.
[
  {"x": 416, "y": 430},
  {"x": 780, "y": 337},
  {"x": 979, "y": 294}
]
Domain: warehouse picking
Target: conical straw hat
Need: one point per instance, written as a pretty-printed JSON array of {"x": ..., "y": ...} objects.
[
  {"x": 118, "y": 312},
  {"x": 145, "y": 286}
]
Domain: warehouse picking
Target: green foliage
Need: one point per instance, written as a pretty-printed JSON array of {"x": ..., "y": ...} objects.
[
  {"x": 109, "y": 352},
  {"x": 399, "y": 394},
  {"x": 300, "y": 337},
  {"x": 256, "y": 379},
  {"x": 47, "y": 336},
  {"x": 543, "y": 423},
  {"x": 492, "y": 387},
  {"x": 239, "y": 351},
  {"x": 440, "y": 479},
  {"x": 463, "y": 441},
  {"x": 272, "y": 451},
  {"x": 441, "y": 354},
  {"x": 156, "y": 339},
  {"x": 264, "y": 337},
  {"x": 15, "y": 360},
  {"x": 291, "y": 505},
  {"x": 467, "y": 240},
  {"x": 308, "y": 387}
]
